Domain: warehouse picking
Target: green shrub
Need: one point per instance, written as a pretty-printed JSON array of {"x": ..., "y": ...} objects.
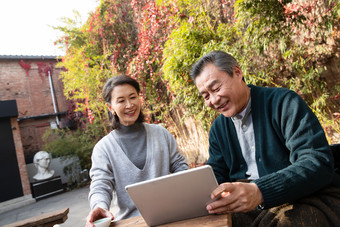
[{"x": 79, "y": 143}]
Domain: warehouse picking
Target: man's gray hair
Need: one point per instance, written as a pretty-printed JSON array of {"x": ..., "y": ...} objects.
[{"x": 222, "y": 60}]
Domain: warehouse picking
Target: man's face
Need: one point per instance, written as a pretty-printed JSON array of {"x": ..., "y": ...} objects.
[{"x": 221, "y": 92}]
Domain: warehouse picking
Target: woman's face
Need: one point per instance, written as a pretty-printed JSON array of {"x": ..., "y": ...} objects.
[{"x": 125, "y": 102}]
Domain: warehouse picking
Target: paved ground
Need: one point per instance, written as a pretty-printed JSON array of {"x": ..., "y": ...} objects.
[{"x": 75, "y": 200}]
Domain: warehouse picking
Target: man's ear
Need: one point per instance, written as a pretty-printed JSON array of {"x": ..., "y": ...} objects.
[{"x": 238, "y": 72}]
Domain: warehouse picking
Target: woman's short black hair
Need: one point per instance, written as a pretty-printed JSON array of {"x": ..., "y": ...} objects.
[{"x": 107, "y": 95}]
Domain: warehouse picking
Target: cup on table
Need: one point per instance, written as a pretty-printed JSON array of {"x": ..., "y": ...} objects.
[{"x": 104, "y": 222}]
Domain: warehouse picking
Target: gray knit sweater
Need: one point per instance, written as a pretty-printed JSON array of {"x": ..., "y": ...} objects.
[{"x": 112, "y": 170}]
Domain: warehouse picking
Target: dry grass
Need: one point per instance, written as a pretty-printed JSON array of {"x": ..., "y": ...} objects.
[{"x": 192, "y": 139}]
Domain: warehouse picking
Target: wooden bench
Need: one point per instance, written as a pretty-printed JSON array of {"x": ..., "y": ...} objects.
[{"x": 44, "y": 220}]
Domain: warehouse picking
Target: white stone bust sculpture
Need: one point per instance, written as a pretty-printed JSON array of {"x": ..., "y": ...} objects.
[{"x": 42, "y": 160}]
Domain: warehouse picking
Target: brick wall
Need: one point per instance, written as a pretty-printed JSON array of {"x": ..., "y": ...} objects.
[
  {"x": 20, "y": 157},
  {"x": 33, "y": 96}
]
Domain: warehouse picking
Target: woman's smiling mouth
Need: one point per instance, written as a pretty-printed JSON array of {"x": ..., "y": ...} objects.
[{"x": 131, "y": 113}]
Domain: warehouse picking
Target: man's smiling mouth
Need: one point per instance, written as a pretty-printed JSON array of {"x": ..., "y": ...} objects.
[{"x": 223, "y": 106}]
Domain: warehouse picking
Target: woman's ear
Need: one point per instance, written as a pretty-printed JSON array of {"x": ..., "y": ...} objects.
[{"x": 110, "y": 109}]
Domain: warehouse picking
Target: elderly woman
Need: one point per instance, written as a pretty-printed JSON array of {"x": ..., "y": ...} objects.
[{"x": 134, "y": 151}]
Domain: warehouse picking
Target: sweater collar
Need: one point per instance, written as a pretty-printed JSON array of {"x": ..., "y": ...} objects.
[
  {"x": 123, "y": 129},
  {"x": 245, "y": 113}
]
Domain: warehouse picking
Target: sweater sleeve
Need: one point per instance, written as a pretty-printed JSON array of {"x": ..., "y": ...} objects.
[
  {"x": 216, "y": 159},
  {"x": 311, "y": 165},
  {"x": 102, "y": 179},
  {"x": 177, "y": 160}
]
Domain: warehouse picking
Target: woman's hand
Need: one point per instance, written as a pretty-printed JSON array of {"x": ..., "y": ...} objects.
[
  {"x": 96, "y": 214},
  {"x": 235, "y": 197}
]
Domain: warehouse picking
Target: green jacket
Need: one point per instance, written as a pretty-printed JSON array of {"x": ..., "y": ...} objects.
[{"x": 292, "y": 153}]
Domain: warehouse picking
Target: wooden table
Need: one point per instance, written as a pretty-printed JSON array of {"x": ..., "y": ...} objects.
[{"x": 206, "y": 221}]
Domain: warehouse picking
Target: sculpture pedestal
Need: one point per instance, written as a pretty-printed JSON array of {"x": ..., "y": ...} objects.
[{"x": 45, "y": 188}]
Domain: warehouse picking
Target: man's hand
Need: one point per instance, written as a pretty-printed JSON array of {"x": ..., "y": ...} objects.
[
  {"x": 96, "y": 214},
  {"x": 235, "y": 197}
]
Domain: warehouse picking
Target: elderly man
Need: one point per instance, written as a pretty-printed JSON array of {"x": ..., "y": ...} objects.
[{"x": 268, "y": 151}]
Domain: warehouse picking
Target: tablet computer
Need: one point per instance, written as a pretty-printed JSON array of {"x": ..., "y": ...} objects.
[{"x": 174, "y": 197}]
